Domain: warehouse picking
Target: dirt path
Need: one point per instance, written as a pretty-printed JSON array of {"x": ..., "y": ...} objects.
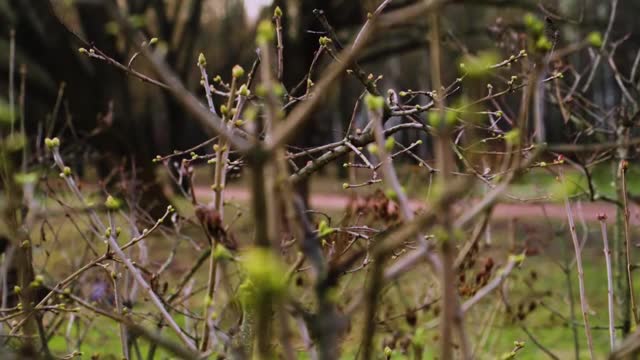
[{"x": 590, "y": 210}]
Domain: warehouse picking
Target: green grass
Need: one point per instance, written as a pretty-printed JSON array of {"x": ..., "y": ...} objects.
[
  {"x": 550, "y": 330},
  {"x": 493, "y": 340}
]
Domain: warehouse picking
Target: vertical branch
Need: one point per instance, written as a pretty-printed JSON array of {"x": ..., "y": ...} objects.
[
  {"x": 566, "y": 269},
  {"x": 222, "y": 151},
  {"x": 621, "y": 245},
  {"x": 208, "y": 302},
  {"x": 113, "y": 275},
  {"x": 538, "y": 104},
  {"x": 22, "y": 103},
  {"x": 451, "y": 315},
  {"x": 277, "y": 17},
  {"x": 12, "y": 70},
  {"x": 372, "y": 300},
  {"x": 610, "y": 302},
  {"x": 375, "y": 106},
  {"x": 627, "y": 237},
  {"x": 262, "y": 184},
  {"x": 578, "y": 251}
]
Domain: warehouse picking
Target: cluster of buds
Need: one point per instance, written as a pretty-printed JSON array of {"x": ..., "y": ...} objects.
[{"x": 52, "y": 143}]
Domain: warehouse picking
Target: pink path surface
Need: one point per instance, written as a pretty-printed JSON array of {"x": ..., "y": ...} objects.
[{"x": 590, "y": 210}]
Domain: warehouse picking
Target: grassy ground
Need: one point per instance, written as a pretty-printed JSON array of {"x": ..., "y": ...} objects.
[
  {"x": 491, "y": 334},
  {"x": 540, "y": 281}
]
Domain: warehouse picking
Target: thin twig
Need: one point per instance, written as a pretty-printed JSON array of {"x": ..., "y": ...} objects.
[
  {"x": 610, "y": 301},
  {"x": 583, "y": 296}
]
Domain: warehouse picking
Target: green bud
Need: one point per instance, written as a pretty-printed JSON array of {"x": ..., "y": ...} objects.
[
  {"x": 373, "y": 149},
  {"x": 388, "y": 352},
  {"x": 82, "y": 50},
  {"x": 480, "y": 64},
  {"x": 278, "y": 89},
  {"x": 324, "y": 229},
  {"x": 391, "y": 194},
  {"x": 434, "y": 119},
  {"x": 66, "y": 171},
  {"x": 533, "y": 24},
  {"x": 52, "y": 143},
  {"x": 324, "y": 41},
  {"x": 266, "y": 272},
  {"x": 389, "y": 143},
  {"x": 222, "y": 253},
  {"x": 261, "y": 90},
  {"x": 202, "y": 61},
  {"x": 244, "y": 91},
  {"x": 543, "y": 43},
  {"x": 374, "y": 103},
  {"x": 237, "y": 71},
  {"x": 595, "y": 39},
  {"x": 112, "y": 203},
  {"x": 450, "y": 117},
  {"x": 418, "y": 337},
  {"x": 17, "y": 289},
  {"x": 345, "y": 186},
  {"x": 265, "y": 33},
  {"x": 517, "y": 258},
  {"x": 512, "y": 137},
  {"x": 153, "y": 41},
  {"x": 277, "y": 13}
]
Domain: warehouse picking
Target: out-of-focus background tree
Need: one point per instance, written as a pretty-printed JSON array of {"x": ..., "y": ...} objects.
[{"x": 129, "y": 122}]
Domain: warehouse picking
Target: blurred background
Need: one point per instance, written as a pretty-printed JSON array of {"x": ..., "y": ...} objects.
[{"x": 119, "y": 121}]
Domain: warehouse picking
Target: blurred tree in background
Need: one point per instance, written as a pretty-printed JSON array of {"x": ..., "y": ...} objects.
[{"x": 130, "y": 121}]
